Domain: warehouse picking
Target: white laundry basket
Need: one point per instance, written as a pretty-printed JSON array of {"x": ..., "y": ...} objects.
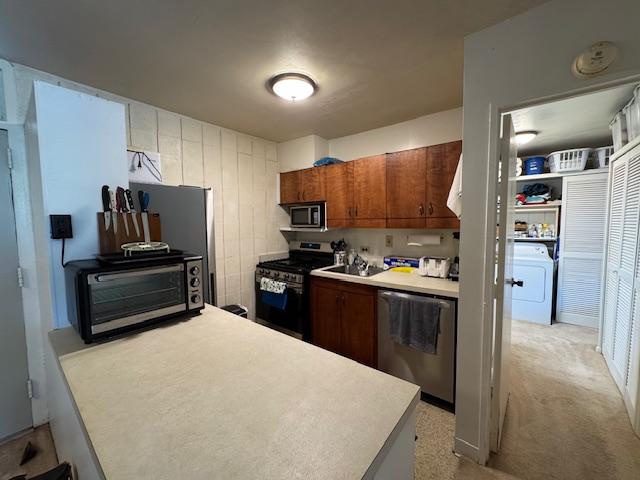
[
  {"x": 632, "y": 116},
  {"x": 568, "y": 160},
  {"x": 618, "y": 128},
  {"x": 602, "y": 156}
]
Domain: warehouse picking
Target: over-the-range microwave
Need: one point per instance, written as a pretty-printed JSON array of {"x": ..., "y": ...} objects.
[
  {"x": 108, "y": 300},
  {"x": 310, "y": 216}
]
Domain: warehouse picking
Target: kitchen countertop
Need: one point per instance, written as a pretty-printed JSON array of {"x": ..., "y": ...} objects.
[
  {"x": 218, "y": 396},
  {"x": 409, "y": 282}
]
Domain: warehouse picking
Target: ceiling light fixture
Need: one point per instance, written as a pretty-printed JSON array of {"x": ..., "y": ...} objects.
[
  {"x": 292, "y": 86},
  {"x": 525, "y": 137}
]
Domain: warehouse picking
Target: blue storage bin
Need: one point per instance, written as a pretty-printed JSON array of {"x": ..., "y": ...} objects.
[{"x": 533, "y": 165}]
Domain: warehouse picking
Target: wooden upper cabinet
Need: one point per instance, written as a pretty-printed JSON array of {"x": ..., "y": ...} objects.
[
  {"x": 406, "y": 188},
  {"x": 370, "y": 191},
  {"x": 312, "y": 184},
  {"x": 289, "y": 187},
  {"x": 442, "y": 161},
  {"x": 339, "y": 194}
]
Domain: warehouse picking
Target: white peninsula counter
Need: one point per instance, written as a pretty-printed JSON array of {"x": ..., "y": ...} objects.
[{"x": 218, "y": 396}]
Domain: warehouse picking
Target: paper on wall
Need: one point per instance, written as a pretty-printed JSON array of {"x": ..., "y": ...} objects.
[{"x": 144, "y": 167}]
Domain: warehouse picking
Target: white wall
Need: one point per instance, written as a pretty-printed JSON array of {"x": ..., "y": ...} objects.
[
  {"x": 246, "y": 215},
  {"x": 81, "y": 144},
  {"x": 374, "y": 240},
  {"x": 441, "y": 127},
  {"x": 524, "y": 59},
  {"x": 301, "y": 152}
]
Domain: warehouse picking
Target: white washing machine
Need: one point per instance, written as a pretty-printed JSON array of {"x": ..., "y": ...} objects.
[{"x": 533, "y": 301}]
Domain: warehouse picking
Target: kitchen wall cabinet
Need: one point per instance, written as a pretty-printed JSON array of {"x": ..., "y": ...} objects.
[
  {"x": 370, "y": 192},
  {"x": 339, "y": 194},
  {"x": 343, "y": 319},
  {"x": 442, "y": 161},
  {"x": 312, "y": 185},
  {"x": 407, "y": 188},
  {"x": 302, "y": 186},
  {"x": 290, "y": 187}
]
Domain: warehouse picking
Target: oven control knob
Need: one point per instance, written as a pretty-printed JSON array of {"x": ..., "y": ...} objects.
[
  {"x": 194, "y": 270},
  {"x": 195, "y": 298},
  {"x": 195, "y": 282},
  {"x": 276, "y": 274}
]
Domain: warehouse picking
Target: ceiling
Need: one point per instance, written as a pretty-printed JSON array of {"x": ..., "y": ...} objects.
[
  {"x": 581, "y": 121},
  {"x": 376, "y": 62}
]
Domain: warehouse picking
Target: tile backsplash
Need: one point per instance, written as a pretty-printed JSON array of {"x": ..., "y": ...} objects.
[{"x": 375, "y": 240}]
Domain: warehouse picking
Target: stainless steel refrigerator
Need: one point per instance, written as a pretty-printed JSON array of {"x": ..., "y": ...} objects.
[{"x": 186, "y": 219}]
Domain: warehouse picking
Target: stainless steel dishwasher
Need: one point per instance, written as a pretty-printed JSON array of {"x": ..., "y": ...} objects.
[{"x": 435, "y": 374}]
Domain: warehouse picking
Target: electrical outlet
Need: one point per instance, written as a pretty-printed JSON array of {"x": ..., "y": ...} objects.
[
  {"x": 61, "y": 226},
  {"x": 364, "y": 249},
  {"x": 388, "y": 241}
]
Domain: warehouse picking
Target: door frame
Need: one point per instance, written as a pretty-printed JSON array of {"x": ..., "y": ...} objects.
[{"x": 488, "y": 335}]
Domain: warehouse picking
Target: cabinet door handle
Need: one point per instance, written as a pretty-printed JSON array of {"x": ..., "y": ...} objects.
[
  {"x": 298, "y": 195},
  {"x": 421, "y": 210},
  {"x": 430, "y": 209},
  {"x": 349, "y": 212},
  {"x": 356, "y": 210},
  {"x": 343, "y": 299}
]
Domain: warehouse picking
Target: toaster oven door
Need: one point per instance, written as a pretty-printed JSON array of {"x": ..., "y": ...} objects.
[{"x": 123, "y": 298}]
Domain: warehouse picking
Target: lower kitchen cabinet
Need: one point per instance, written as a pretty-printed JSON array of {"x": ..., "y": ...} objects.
[{"x": 343, "y": 319}]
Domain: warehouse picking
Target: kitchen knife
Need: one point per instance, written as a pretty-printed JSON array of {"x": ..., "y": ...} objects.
[
  {"x": 106, "y": 207},
  {"x": 132, "y": 209},
  {"x": 121, "y": 204},
  {"x": 114, "y": 210},
  {"x": 143, "y": 198}
]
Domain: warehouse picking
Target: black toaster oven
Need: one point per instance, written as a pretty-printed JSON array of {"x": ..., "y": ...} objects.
[{"x": 111, "y": 299}]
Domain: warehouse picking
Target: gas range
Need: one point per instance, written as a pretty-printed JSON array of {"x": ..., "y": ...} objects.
[{"x": 294, "y": 272}]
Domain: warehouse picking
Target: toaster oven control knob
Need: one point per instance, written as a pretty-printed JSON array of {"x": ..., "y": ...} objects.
[
  {"x": 194, "y": 270},
  {"x": 195, "y": 298},
  {"x": 195, "y": 282}
]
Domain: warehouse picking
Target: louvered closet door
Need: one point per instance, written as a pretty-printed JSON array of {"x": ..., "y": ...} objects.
[
  {"x": 616, "y": 224},
  {"x": 620, "y": 343},
  {"x": 584, "y": 200}
]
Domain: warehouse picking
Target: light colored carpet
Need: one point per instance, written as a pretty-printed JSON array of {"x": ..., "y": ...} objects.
[
  {"x": 565, "y": 417},
  {"x": 11, "y": 452}
]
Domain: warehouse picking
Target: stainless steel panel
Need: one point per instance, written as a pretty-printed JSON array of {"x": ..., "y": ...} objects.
[
  {"x": 138, "y": 318},
  {"x": 435, "y": 374},
  {"x": 186, "y": 219},
  {"x": 109, "y": 277}
]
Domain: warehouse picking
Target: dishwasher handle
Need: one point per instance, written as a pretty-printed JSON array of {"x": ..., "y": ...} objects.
[{"x": 386, "y": 294}]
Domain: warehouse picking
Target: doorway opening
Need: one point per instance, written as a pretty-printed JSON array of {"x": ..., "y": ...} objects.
[{"x": 561, "y": 405}]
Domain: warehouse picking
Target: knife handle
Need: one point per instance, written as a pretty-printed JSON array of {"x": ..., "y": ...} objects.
[
  {"x": 141, "y": 200},
  {"x": 106, "y": 198},
  {"x": 132, "y": 207},
  {"x": 120, "y": 206}
]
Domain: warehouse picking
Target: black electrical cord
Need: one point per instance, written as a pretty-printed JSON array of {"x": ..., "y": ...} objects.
[{"x": 62, "y": 256}]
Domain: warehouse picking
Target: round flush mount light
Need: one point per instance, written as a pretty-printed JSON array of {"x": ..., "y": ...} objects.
[
  {"x": 525, "y": 137},
  {"x": 292, "y": 86}
]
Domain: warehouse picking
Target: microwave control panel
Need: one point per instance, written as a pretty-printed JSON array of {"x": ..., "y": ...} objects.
[{"x": 195, "y": 295}]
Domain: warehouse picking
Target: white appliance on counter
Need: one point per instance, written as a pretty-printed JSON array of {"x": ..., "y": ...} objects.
[
  {"x": 434, "y": 373},
  {"x": 434, "y": 267},
  {"x": 532, "y": 265}
]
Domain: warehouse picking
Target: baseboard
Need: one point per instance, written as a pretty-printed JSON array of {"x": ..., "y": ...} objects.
[{"x": 465, "y": 449}]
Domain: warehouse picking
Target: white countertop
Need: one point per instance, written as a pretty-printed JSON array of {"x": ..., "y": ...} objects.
[
  {"x": 218, "y": 396},
  {"x": 409, "y": 282}
]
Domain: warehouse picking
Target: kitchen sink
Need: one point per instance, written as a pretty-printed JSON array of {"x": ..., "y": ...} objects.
[{"x": 351, "y": 270}]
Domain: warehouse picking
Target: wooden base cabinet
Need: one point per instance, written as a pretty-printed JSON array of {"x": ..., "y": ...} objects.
[{"x": 343, "y": 319}]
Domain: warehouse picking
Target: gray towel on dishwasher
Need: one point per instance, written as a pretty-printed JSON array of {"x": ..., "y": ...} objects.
[{"x": 414, "y": 323}]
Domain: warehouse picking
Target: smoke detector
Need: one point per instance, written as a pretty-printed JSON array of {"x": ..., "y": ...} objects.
[{"x": 594, "y": 60}]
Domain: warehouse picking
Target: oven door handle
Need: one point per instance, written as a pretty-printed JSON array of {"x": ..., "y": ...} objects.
[{"x": 109, "y": 277}]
